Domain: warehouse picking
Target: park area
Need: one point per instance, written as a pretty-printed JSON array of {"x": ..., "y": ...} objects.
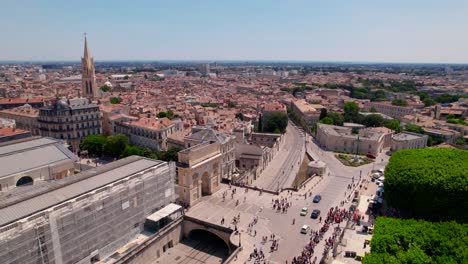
[{"x": 353, "y": 160}]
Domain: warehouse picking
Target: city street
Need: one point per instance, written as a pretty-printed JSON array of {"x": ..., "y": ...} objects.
[
  {"x": 282, "y": 170},
  {"x": 333, "y": 189}
]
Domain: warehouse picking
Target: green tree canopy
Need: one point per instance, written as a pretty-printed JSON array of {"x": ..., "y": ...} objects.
[
  {"x": 373, "y": 120},
  {"x": 274, "y": 122},
  {"x": 169, "y": 155},
  {"x": 105, "y": 88},
  {"x": 429, "y": 102},
  {"x": 161, "y": 114},
  {"x": 416, "y": 241},
  {"x": 327, "y": 120},
  {"x": 131, "y": 150},
  {"x": 393, "y": 124},
  {"x": 400, "y": 102},
  {"x": 115, "y": 145},
  {"x": 323, "y": 113},
  {"x": 338, "y": 118},
  {"x": 429, "y": 183},
  {"x": 94, "y": 144},
  {"x": 351, "y": 112},
  {"x": 115, "y": 100},
  {"x": 414, "y": 128}
]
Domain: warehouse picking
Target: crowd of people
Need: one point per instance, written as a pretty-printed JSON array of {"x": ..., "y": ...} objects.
[{"x": 281, "y": 205}]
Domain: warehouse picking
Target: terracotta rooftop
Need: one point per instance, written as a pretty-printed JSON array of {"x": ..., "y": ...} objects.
[
  {"x": 8, "y": 131},
  {"x": 152, "y": 123}
]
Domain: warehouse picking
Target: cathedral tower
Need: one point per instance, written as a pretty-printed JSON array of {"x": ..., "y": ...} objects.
[{"x": 88, "y": 77}]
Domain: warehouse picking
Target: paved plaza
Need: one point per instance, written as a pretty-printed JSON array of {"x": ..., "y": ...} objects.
[{"x": 252, "y": 204}]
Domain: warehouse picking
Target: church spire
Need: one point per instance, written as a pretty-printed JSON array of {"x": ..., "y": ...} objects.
[
  {"x": 88, "y": 76},
  {"x": 86, "y": 51}
]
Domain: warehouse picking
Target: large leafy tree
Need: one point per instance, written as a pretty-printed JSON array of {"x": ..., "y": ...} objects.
[
  {"x": 393, "y": 125},
  {"x": 400, "y": 102},
  {"x": 414, "y": 128},
  {"x": 169, "y": 155},
  {"x": 275, "y": 122},
  {"x": 94, "y": 144},
  {"x": 131, "y": 150},
  {"x": 373, "y": 120},
  {"x": 323, "y": 113},
  {"x": 115, "y": 145},
  {"x": 429, "y": 183},
  {"x": 338, "y": 118},
  {"x": 326, "y": 120},
  {"x": 351, "y": 112},
  {"x": 416, "y": 241}
]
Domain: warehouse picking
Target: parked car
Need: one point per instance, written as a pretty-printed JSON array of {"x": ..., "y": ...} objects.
[
  {"x": 317, "y": 198},
  {"x": 305, "y": 229},
  {"x": 304, "y": 211},
  {"x": 370, "y": 156},
  {"x": 315, "y": 214},
  {"x": 380, "y": 181}
]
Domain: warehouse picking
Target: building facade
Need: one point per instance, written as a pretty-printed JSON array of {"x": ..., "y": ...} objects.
[
  {"x": 338, "y": 138},
  {"x": 307, "y": 112},
  {"x": 198, "y": 172},
  {"x": 388, "y": 109},
  {"x": 147, "y": 132},
  {"x": 71, "y": 120},
  {"x": 227, "y": 146},
  {"x": 408, "y": 140},
  {"x": 25, "y": 117},
  {"x": 85, "y": 219}
]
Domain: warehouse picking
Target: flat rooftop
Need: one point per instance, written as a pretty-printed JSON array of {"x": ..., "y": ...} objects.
[
  {"x": 406, "y": 136},
  {"x": 18, "y": 205},
  {"x": 24, "y": 155}
]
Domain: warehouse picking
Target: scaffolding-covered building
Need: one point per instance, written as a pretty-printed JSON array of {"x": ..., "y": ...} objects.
[{"x": 83, "y": 218}]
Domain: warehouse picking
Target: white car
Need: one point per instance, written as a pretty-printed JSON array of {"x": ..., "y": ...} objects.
[
  {"x": 380, "y": 181},
  {"x": 305, "y": 229}
]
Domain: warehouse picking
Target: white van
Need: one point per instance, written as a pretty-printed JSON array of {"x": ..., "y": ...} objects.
[{"x": 305, "y": 229}]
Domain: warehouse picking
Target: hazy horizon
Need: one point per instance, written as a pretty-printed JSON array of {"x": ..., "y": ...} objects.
[{"x": 361, "y": 31}]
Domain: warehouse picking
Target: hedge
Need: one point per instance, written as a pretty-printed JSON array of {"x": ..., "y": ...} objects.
[
  {"x": 417, "y": 241},
  {"x": 429, "y": 183}
]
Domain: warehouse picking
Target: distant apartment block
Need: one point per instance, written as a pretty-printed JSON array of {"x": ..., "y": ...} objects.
[
  {"x": 147, "y": 132},
  {"x": 388, "y": 109},
  {"x": 85, "y": 218},
  {"x": 308, "y": 112},
  {"x": 71, "y": 120},
  {"x": 25, "y": 117},
  {"x": 338, "y": 138}
]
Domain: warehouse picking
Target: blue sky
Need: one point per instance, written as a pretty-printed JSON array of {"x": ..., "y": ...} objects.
[{"x": 303, "y": 30}]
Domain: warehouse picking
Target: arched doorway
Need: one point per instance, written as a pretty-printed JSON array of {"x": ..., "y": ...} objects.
[
  {"x": 25, "y": 180},
  {"x": 208, "y": 242},
  {"x": 206, "y": 184}
]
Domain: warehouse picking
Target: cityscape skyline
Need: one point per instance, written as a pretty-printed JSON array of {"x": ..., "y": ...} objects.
[{"x": 361, "y": 32}]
